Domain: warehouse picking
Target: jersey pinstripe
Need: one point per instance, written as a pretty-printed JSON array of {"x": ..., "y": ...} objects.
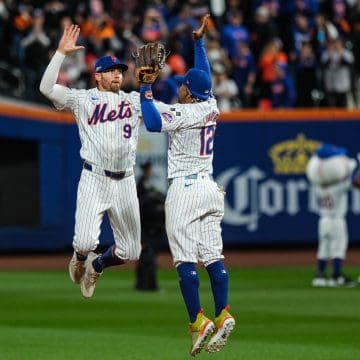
[
  {"x": 191, "y": 130},
  {"x": 108, "y": 126},
  {"x": 98, "y": 194},
  {"x": 194, "y": 204}
]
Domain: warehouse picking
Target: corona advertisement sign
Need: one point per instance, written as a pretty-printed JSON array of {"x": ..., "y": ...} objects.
[{"x": 262, "y": 167}]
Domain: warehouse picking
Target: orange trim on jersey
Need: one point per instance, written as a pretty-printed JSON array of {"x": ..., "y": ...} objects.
[
  {"x": 35, "y": 113},
  {"x": 305, "y": 115}
]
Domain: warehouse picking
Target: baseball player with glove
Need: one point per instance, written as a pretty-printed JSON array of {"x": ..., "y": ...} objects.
[
  {"x": 108, "y": 120},
  {"x": 330, "y": 172},
  {"x": 194, "y": 205}
]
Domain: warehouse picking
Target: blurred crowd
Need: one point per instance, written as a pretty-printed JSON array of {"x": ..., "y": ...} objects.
[{"x": 263, "y": 53}]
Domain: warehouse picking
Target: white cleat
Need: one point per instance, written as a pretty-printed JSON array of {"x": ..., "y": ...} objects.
[
  {"x": 225, "y": 324},
  {"x": 90, "y": 277},
  {"x": 200, "y": 330},
  {"x": 76, "y": 269},
  {"x": 319, "y": 281}
]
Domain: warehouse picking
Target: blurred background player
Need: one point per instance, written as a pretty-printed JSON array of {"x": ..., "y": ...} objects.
[
  {"x": 194, "y": 204},
  {"x": 152, "y": 217},
  {"x": 330, "y": 172}
]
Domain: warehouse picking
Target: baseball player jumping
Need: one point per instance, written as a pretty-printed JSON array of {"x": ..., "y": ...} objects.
[
  {"x": 194, "y": 204},
  {"x": 108, "y": 121}
]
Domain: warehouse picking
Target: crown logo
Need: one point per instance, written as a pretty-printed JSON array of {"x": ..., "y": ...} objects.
[{"x": 292, "y": 156}]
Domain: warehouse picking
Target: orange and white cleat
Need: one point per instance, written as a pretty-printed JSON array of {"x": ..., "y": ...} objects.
[
  {"x": 225, "y": 324},
  {"x": 200, "y": 331}
]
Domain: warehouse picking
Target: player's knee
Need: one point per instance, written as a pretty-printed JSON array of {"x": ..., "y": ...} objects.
[
  {"x": 217, "y": 273},
  {"x": 188, "y": 274}
]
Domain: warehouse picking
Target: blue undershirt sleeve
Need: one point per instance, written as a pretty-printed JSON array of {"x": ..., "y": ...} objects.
[
  {"x": 201, "y": 60},
  {"x": 150, "y": 114}
]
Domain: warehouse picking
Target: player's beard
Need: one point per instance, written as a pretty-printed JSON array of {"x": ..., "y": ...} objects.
[{"x": 115, "y": 86}]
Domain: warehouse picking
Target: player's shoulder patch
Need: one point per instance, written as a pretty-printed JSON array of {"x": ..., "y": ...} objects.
[
  {"x": 211, "y": 117},
  {"x": 167, "y": 116}
]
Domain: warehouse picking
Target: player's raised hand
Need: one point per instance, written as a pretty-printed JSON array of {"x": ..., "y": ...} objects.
[
  {"x": 67, "y": 44},
  {"x": 199, "y": 33}
]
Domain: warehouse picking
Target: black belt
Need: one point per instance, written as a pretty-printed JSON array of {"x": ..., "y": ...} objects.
[{"x": 113, "y": 175}]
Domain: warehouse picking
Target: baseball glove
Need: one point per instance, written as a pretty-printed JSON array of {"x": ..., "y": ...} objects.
[{"x": 149, "y": 60}]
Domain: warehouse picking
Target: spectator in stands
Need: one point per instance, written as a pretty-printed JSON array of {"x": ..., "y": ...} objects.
[
  {"x": 216, "y": 54},
  {"x": 271, "y": 55},
  {"x": 154, "y": 27},
  {"x": 118, "y": 27},
  {"x": 283, "y": 93},
  {"x": 225, "y": 90},
  {"x": 302, "y": 33},
  {"x": 36, "y": 46},
  {"x": 308, "y": 8},
  {"x": 175, "y": 60},
  {"x": 306, "y": 76},
  {"x": 180, "y": 26},
  {"x": 264, "y": 30},
  {"x": 355, "y": 40},
  {"x": 340, "y": 18},
  {"x": 21, "y": 24},
  {"x": 244, "y": 73},
  {"x": 234, "y": 32},
  {"x": 337, "y": 62},
  {"x": 273, "y": 7}
]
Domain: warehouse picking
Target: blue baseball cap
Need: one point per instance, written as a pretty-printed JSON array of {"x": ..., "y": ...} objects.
[
  {"x": 108, "y": 62},
  {"x": 197, "y": 81},
  {"x": 327, "y": 150}
]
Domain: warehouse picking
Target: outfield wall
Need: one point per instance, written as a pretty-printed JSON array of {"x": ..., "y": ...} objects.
[{"x": 260, "y": 159}]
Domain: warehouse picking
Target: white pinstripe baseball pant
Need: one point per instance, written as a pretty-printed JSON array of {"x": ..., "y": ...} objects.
[
  {"x": 194, "y": 209},
  {"x": 98, "y": 194}
]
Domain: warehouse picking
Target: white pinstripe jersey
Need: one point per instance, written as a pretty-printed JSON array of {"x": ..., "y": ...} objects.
[
  {"x": 108, "y": 126},
  {"x": 191, "y": 129}
]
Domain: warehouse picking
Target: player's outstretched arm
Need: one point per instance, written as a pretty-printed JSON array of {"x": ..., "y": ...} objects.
[
  {"x": 201, "y": 61},
  {"x": 150, "y": 113},
  {"x": 199, "y": 33},
  {"x": 67, "y": 44}
]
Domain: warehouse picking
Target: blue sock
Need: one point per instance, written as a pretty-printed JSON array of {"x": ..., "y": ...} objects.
[
  {"x": 189, "y": 285},
  {"x": 321, "y": 267},
  {"x": 219, "y": 279},
  {"x": 337, "y": 267},
  {"x": 108, "y": 258}
]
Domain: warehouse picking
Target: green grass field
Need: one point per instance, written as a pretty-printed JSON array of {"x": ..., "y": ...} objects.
[{"x": 279, "y": 316}]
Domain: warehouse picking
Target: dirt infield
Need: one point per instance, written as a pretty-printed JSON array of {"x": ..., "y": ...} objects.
[{"x": 238, "y": 258}]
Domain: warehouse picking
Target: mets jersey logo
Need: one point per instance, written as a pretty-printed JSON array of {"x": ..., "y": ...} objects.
[{"x": 101, "y": 114}]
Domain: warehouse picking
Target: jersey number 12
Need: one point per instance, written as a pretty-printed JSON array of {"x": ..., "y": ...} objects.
[{"x": 207, "y": 140}]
